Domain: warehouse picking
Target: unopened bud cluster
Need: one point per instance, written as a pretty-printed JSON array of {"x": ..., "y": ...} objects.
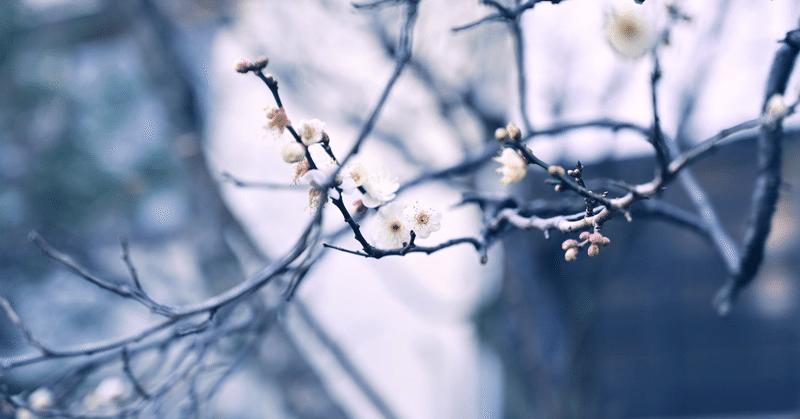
[
  {"x": 243, "y": 66},
  {"x": 592, "y": 241}
]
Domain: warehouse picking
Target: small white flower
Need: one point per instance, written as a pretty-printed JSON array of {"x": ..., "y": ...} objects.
[
  {"x": 628, "y": 34},
  {"x": 423, "y": 220},
  {"x": 392, "y": 232},
  {"x": 513, "y": 166},
  {"x": 41, "y": 399},
  {"x": 775, "y": 111},
  {"x": 358, "y": 172},
  {"x": 311, "y": 131},
  {"x": 106, "y": 396},
  {"x": 380, "y": 187},
  {"x": 24, "y": 414},
  {"x": 110, "y": 389},
  {"x": 292, "y": 152},
  {"x": 317, "y": 178}
]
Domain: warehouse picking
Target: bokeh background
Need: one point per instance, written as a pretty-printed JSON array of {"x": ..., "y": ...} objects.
[{"x": 119, "y": 118}]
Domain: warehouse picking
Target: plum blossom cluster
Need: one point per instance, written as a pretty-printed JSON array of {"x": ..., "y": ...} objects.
[
  {"x": 397, "y": 221},
  {"x": 366, "y": 185}
]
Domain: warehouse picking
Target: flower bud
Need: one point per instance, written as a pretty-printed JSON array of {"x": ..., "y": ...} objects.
[
  {"x": 568, "y": 244},
  {"x": 555, "y": 170},
  {"x": 571, "y": 254},
  {"x": 292, "y": 152},
  {"x": 606, "y": 241},
  {"x": 261, "y": 62},
  {"x": 560, "y": 188},
  {"x": 500, "y": 133},
  {"x": 513, "y": 132},
  {"x": 243, "y": 66},
  {"x": 594, "y": 250},
  {"x": 584, "y": 235},
  {"x": 41, "y": 399},
  {"x": 595, "y": 237}
]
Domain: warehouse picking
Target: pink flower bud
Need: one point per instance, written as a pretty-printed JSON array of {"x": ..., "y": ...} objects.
[
  {"x": 568, "y": 244},
  {"x": 594, "y": 250},
  {"x": 571, "y": 254}
]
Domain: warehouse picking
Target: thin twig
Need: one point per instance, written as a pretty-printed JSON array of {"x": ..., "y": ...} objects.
[
  {"x": 119, "y": 289},
  {"x": 374, "y": 4},
  {"x": 522, "y": 83},
  {"x": 258, "y": 184},
  {"x": 132, "y": 269},
  {"x": 12, "y": 315},
  {"x": 402, "y": 56},
  {"x": 488, "y": 18},
  {"x": 344, "y": 361},
  {"x": 657, "y": 137},
  {"x": 126, "y": 367}
]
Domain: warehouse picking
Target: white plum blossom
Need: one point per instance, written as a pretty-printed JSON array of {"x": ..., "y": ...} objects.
[
  {"x": 423, "y": 219},
  {"x": 358, "y": 171},
  {"x": 292, "y": 152},
  {"x": 110, "y": 389},
  {"x": 318, "y": 177},
  {"x": 106, "y": 396},
  {"x": 392, "y": 230},
  {"x": 311, "y": 131},
  {"x": 628, "y": 34},
  {"x": 380, "y": 187},
  {"x": 513, "y": 166},
  {"x": 377, "y": 185},
  {"x": 775, "y": 110},
  {"x": 41, "y": 399}
]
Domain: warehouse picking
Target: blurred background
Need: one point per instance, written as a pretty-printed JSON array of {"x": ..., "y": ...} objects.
[{"x": 119, "y": 117}]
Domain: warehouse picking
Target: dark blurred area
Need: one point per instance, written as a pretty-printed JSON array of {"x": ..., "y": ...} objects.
[{"x": 632, "y": 333}]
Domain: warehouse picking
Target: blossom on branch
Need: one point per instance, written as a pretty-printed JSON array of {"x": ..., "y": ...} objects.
[
  {"x": 380, "y": 187},
  {"x": 422, "y": 219},
  {"x": 318, "y": 178},
  {"x": 513, "y": 166},
  {"x": 775, "y": 110},
  {"x": 628, "y": 34},
  {"x": 292, "y": 152},
  {"x": 358, "y": 172},
  {"x": 278, "y": 121},
  {"x": 300, "y": 169},
  {"x": 392, "y": 231},
  {"x": 310, "y": 131}
]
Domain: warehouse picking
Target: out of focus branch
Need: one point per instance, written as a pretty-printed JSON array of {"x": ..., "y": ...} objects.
[{"x": 765, "y": 195}]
